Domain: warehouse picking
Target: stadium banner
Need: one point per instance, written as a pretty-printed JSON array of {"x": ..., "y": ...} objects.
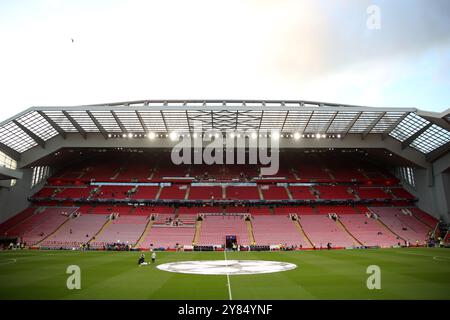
[
  {"x": 234, "y": 184},
  {"x": 132, "y": 184}
]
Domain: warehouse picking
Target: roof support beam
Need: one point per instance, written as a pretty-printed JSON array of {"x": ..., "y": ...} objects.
[
  {"x": 413, "y": 137},
  {"x": 350, "y": 125},
  {"x": 372, "y": 125},
  {"x": 386, "y": 132},
  {"x": 164, "y": 121},
  {"x": 10, "y": 151},
  {"x": 75, "y": 124},
  {"x": 437, "y": 153},
  {"x": 31, "y": 134},
  {"x": 328, "y": 125},
  {"x": 53, "y": 124},
  {"x": 260, "y": 120},
  {"x": 98, "y": 124},
  {"x": 284, "y": 121},
  {"x": 307, "y": 123},
  {"x": 188, "y": 122},
  {"x": 141, "y": 121},
  {"x": 122, "y": 127}
]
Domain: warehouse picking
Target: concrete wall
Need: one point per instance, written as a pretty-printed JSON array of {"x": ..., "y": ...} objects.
[
  {"x": 433, "y": 188},
  {"x": 14, "y": 199}
]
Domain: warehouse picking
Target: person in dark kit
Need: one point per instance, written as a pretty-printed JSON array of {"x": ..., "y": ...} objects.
[
  {"x": 328, "y": 246},
  {"x": 141, "y": 260}
]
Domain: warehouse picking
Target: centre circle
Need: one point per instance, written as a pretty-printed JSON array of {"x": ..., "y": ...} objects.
[{"x": 226, "y": 267}]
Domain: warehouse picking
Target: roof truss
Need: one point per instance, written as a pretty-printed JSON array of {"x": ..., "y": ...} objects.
[{"x": 165, "y": 116}]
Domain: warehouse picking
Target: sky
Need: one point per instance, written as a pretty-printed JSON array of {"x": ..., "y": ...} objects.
[{"x": 55, "y": 52}]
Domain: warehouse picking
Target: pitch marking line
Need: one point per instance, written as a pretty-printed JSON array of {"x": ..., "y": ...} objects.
[
  {"x": 7, "y": 261},
  {"x": 228, "y": 276}
]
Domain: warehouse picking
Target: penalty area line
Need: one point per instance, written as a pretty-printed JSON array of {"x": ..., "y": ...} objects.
[{"x": 228, "y": 276}]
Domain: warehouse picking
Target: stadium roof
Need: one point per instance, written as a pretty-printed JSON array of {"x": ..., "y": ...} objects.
[{"x": 423, "y": 131}]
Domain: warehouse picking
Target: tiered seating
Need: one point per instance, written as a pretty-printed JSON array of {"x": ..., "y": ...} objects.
[
  {"x": 165, "y": 170},
  {"x": 147, "y": 211},
  {"x": 163, "y": 219},
  {"x": 216, "y": 228},
  {"x": 205, "y": 193},
  {"x": 125, "y": 229},
  {"x": 334, "y": 192},
  {"x": 146, "y": 192},
  {"x": 336, "y": 209},
  {"x": 242, "y": 193},
  {"x": 187, "y": 219},
  {"x": 368, "y": 231},
  {"x": 135, "y": 172},
  {"x": 286, "y": 210},
  {"x": 274, "y": 193},
  {"x": 309, "y": 172},
  {"x": 46, "y": 192},
  {"x": 41, "y": 225},
  {"x": 110, "y": 209},
  {"x": 402, "y": 193},
  {"x": 112, "y": 192},
  {"x": 275, "y": 230},
  {"x": 175, "y": 192},
  {"x": 372, "y": 193},
  {"x": 77, "y": 231},
  {"x": 103, "y": 171},
  {"x": 301, "y": 193},
  {"x": 321, "y": 229},
  {"x": 75, "y": 192},
  {"x": 345, "y": 173},
  {"x": 15, "y": 220},
  {"x": 197, "y": 210},
  {"x": 168, "y": 237},
  {"x": 424, "y": 217},
  {"x": 407, "y": 227},
  {"x": 249, "y": 210},
  {"x": 33, "y": 221}
]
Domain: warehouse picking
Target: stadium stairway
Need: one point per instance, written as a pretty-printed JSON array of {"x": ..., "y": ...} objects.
[
  {"x": 425, "y": 222},
  {"x": 100, "y": 231},
  {"x": 18, "y": 219},
  {"x": 147, "y": 229},
  {"x": 299, "y": 227},
  {"x": 188, "y": 190},
  {"x": 158, "y": 193},
  {"x": 54, "y": 231},
  {"x": 198, "y": 228},
  {"x": 251, "y": 236},
  {"x": 388, "y": 229},
  {"x": 261, "y": 196},
  {"x": 288, "y": 193},
  {"x": 343, "y": 227}
]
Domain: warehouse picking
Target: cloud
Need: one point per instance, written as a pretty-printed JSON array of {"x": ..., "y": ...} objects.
[{"x": 206, "y": 49}]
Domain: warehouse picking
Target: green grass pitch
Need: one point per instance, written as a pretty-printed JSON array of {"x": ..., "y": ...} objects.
[{"x": 416, "y": 273}]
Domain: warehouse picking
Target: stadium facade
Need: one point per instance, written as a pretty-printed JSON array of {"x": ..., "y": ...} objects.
[{"x": 41, "y": 141}]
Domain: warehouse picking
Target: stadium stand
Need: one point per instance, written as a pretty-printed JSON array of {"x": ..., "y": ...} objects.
[
  {"x": 275, "y": 230},
  {"x": 310, "y": 191},
  {"x": 216, "y": 228}
]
